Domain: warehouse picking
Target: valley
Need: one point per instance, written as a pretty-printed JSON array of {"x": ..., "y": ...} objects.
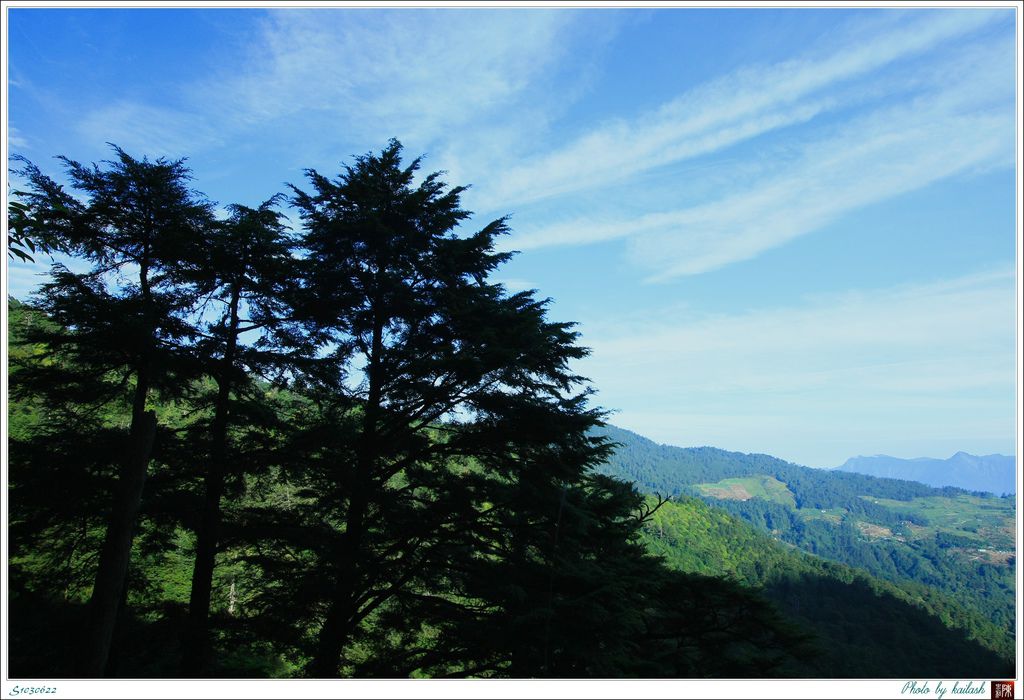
[
  {"x": 860, "y": 625},
  {"x": 963, "y": 523},
  {"x": 945, "y": 544}
]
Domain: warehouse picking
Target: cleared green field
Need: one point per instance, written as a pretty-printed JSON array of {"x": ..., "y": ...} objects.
[
  {"x": 747, "y": 487},
  {"x": 832, "y": 515},
  {"x": 988, "y": 521}
]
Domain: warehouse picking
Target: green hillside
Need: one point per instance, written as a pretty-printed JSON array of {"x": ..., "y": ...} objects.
[
  {"x": 854, "y": 625},
  {"x": 913, "y": 536},
  {"x": 983, "y": 521},
  {"x": 863, "y": 627}
]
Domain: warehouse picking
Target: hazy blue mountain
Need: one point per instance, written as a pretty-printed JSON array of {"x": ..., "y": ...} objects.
[{"x": 994, "y": 473}]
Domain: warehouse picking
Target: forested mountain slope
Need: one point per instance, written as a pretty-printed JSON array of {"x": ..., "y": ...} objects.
[
  {"x": 863, "y": 626},
  {"x": 828, "y": 620},
  {"x": 913, "y": 536}
]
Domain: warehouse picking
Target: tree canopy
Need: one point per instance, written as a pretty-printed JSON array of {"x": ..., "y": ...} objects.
[{"x": 339, "y": 450}]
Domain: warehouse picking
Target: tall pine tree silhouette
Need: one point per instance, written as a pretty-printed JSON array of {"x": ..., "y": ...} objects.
[
  {"x": 134, "y": 222},
  {"x": 244, "y": 273},
  {"x": 434, "y": 345}
]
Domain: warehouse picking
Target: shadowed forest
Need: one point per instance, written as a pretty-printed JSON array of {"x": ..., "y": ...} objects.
[{"x": 313, "y": 437}]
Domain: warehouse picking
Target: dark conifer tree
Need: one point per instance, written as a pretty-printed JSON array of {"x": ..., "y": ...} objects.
[
  {"x": 125, "y": 318},
  {"x": 243, "y": 277},
  {"x": 433, "y": 341},
  {"x": 59, "y": 471},
  {"x": 390, "y": 452}
]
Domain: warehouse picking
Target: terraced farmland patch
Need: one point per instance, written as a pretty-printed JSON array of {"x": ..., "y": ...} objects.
[
  {"x": 991, "y": 522},
  {"x": 874, "y": 531},
  {"x": 747, "y": 487}
]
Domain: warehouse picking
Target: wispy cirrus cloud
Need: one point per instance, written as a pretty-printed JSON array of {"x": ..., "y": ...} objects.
[
  {"x": 516, "y": 284},
  {"x": 352, "y": 76},
  {"x": 726, "y": 111},
  {"x": 956, "y": 118},
  {"x": 886, "y": 155},
  {"x": 151, "y": 130},
  {"x": 15, "y": 139},
  {"x": 417, "y": 72}
]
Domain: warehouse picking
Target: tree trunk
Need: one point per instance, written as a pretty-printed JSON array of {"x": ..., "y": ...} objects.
[
  {"x": 337, "y": 625},
  {"x": 195, "y": 656},
  {"x": 330, "y": 641},
  {"x": 112, "y": 570},
  {"x": 118, "y": 642}
]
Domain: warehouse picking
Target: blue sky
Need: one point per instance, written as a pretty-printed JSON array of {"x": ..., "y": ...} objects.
[{"x": 788, "y": 231}]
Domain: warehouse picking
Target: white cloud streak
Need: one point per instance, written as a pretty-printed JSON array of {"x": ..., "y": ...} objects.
[
  {"x": 935, "y": 134},
  {"x": 515, "y": 284},
  {"x": 896, "y": 364},
  {"x": 150, "y": 130},
  {"x": 419, "y": 73},
  {"x": 890, "y": 154},
  {"x": 348, "y": 76},
  {"x": 723, "y": 112},
  {"x": 15, "y": 139}
]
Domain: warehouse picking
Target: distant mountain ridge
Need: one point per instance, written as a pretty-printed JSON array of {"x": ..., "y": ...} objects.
[
  {"x": 671, "y": 470},
  {"x": 993, "y": 473}
]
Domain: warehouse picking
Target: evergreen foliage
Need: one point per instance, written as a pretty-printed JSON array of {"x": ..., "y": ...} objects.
[
  {"x": 121, "y": 323},
  {"x": 979, "y": 596},
  {"x": 346, "y": 451}
]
